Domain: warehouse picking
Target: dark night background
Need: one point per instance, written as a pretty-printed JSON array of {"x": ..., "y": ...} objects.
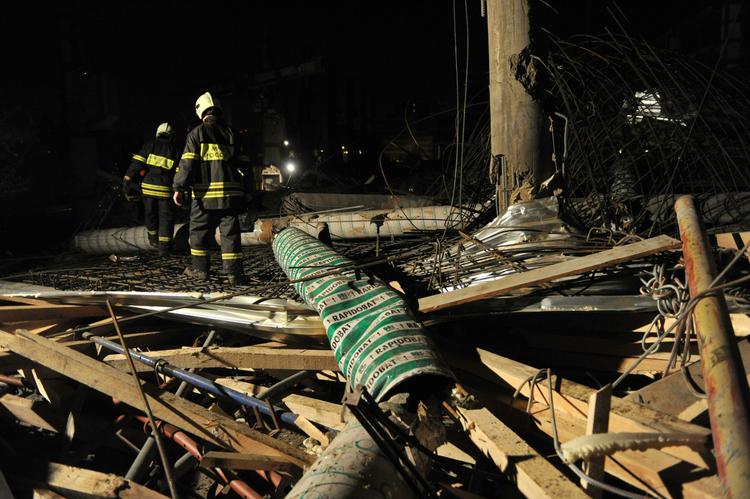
[{"x": 84, "y": 83}]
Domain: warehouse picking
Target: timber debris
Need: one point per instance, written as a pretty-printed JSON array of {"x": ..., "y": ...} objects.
[{"x": 267, "y": 397}]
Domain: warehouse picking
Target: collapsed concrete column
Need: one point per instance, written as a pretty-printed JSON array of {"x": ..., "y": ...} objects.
[
  {"x": 377, "y": 344},
  {"x": 376, "y": 341},
  {"x": 352, "y": 466}
]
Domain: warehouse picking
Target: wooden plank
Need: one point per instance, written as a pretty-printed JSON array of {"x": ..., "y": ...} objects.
[
  {"x": 326, "y": 413},
  {"x": 656, "y": 363},
  {"x": 672, "y": 395},
  {"x": 251, "y": 357},
  {"x": 574, "y": 266},
  {"x": 71, "y": 481},
  {"x": 733, "y": 240},
  {"x": 572, "y": 398},
  {"x": 42, "y": 493},
  {"x": 533, "y": 474},
  {"x": 653, "y": 471},
  {"x": 597, "y": 421},
  {"x": 52, "y": 386},
  {"x": 237, "y": 461},
  {"x": 23, "y": 300},
  {"x": 16, "y": 313},
  {"x": 190, "y": 417},
  {"x": 10, "y": 362},
  {"x": 311, "y": 430},
  {"x": 36, "y": 413}
]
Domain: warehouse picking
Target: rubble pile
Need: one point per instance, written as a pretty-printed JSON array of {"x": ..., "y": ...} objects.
[{"x": 518, "y": 357}]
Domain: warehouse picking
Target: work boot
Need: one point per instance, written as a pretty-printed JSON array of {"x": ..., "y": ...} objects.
[
  {"x": 198, "y": 275},
  {"x": 237, "y": 279},
  {"x": 165, "y": 250}
]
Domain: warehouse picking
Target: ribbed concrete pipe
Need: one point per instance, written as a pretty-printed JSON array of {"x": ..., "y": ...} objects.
[{"x": 352, "y": 466}]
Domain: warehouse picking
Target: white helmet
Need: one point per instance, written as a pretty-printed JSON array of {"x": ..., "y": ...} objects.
[
  {"x": 164, "y": 129},
  {"x": 205, "y": 102}
]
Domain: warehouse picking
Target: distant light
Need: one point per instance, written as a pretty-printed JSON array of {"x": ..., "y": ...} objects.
[
  {"x": 360, "y": 152},
  {"x": 343, "y": 147},
  {"x": 286, "y": 143},
  {"x": 290, "y": 167}
]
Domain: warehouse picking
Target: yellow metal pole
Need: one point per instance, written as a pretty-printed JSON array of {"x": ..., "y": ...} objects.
[{"x": 726, "y": 386}]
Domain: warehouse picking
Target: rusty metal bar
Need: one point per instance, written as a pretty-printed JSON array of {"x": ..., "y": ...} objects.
[
  {"x": 727, "y": 390},
  {"x": 159, "y": 444},
  {"x": 191, "y": 446}
]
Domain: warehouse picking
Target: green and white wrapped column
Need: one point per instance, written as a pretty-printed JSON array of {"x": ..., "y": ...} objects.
[{"x": 376, "y": 341}]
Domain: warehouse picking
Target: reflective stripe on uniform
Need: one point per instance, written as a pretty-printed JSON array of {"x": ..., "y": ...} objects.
[
  {"x": 152, "y": 232},
  {"x": 159, "y": 161},
  {"x": 155, "y": 190},
  {"x": 219, "y": 194},
  {"x": 216, "y": 152},
  {"x": 231, "y": 256},
  {"x": 156, "y": 187},
  {"x": 156, "y": 194},
  {"x": 140, "y": 158},
  {"x": 198, "y": 252},
  {"x": 218, "y": 190},
  {"x": 165, "y": 239},
  {"x": 188, "y": 155}
]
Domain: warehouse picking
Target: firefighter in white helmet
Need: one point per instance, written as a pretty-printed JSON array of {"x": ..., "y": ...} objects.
[
  {"x": 152, "y": 169},
  {"x": 216, "y": 170}
]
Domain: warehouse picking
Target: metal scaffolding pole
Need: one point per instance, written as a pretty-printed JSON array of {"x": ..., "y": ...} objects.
[{"x": 727, "y": 390}]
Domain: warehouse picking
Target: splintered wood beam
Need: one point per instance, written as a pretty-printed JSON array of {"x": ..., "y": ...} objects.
[
  {"x": 37, "y": 413},
  {"x": 572, "y": 398},
  {"x": 17, "y": 313},
  {"x": 10, "y": 362},
  {"x": 251, "y": 357},
  {"x": 326, "y": 413},
  {"x": 237, "y": 461},
  {"x": 190, "y": 417},
  {"x": 71, "y": 481},
  {"x": 574, "y": 266},
  {"x": 532, "y": 473}
]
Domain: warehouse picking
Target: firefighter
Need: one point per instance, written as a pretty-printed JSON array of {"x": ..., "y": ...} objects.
[
  {"x": 216, "y": 170},
  {"x": 153, "y": 168}
]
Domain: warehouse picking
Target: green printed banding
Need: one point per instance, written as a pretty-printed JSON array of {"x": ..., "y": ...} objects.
[{"x": 375, "y": 340}]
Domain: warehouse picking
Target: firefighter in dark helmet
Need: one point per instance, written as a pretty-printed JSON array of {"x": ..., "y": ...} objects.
[
  {"x": 152, "y": 169},
  {"x": 215, "y": 168}
]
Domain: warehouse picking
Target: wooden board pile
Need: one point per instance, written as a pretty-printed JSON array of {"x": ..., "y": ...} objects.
[{"x": 75, "y": 423}]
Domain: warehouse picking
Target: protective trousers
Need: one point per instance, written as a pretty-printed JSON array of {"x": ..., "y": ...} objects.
[
  {"x": 203, "y": 225},
  {"x": 159, "y": 215}
]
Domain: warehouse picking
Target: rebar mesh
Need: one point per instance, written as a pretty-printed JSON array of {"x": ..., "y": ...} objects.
[{"x": 643, "y": 126}]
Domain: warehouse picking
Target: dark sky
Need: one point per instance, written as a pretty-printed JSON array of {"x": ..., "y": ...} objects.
[{"x": 159, "y": 51}]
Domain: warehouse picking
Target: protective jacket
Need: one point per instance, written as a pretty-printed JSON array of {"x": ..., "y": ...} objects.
[
  {"x": 156, "y": 160},
  {"x": 215, "y": 167}
]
